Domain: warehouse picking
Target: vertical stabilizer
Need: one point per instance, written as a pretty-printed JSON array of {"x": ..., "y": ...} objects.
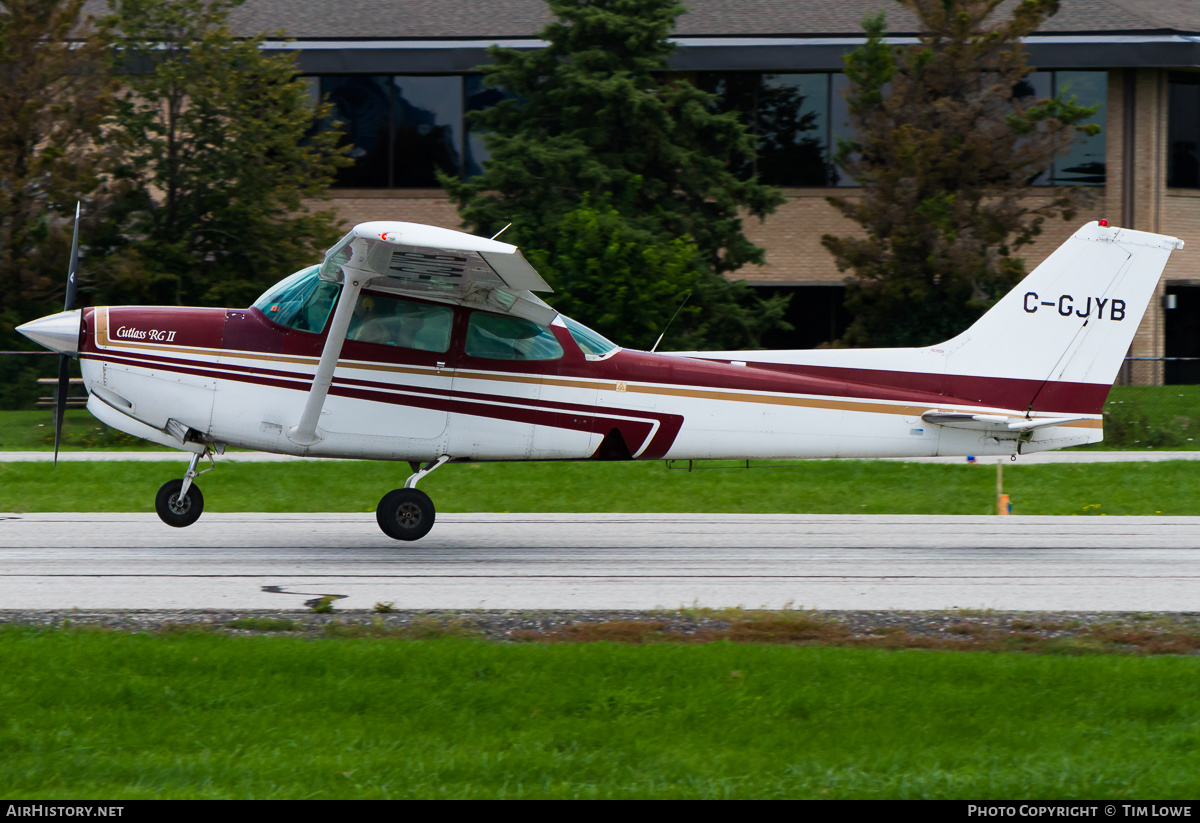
[
  {"x": 1073, "y": 318},
  {"x": 1053, "y": 344}
]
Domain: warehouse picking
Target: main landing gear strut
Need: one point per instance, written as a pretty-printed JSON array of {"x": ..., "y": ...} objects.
[
  {"x": 404, "y": 514},
  {"x": 408, "y": 513},
  {"x": 179, "y": 503}
]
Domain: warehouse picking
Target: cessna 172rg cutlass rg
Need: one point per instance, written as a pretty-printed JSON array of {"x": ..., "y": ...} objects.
[{"x": 427, "y": 345}]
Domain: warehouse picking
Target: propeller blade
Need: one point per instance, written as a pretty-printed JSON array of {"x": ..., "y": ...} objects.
[
  {"x": 60, "y": 400},
  {"x": 69, "y": 303},
  {"x": 64, "y": 361}
]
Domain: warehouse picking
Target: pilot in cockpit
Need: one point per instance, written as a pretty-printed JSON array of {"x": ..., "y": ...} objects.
[
  {"x": 403, "y": 323},
  {"x": 366, "y": 325}
]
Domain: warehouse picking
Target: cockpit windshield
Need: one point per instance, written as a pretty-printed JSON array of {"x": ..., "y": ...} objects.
[
  {"x": 302, "y": 301},
  {"x": 591, "y": 342}
]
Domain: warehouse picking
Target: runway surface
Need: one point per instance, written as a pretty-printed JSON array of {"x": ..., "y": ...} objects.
[{"x": 614, "y": 561}]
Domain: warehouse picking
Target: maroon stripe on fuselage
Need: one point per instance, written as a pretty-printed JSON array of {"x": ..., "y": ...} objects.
[
  {"x": 634, "y": 432},
  {"x": 199, "y": 327},
  {"x": 571, "y": 416},
  {"x": 299, "y": 382},
  {"x": 957, "y": 389}
]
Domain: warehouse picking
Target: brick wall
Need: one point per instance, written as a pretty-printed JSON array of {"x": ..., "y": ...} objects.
[{"x": 791, "y": 236}]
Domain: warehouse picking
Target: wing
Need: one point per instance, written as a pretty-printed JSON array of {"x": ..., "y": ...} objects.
[
  {"x": 410, "y": 257},
  {"x": 426, "y": 261}
]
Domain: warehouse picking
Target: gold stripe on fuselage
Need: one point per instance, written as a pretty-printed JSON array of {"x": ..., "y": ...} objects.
[{"x": 871, "y": 407}]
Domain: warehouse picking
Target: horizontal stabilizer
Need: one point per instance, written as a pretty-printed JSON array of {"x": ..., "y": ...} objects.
[{"x": 995, "y": 422}]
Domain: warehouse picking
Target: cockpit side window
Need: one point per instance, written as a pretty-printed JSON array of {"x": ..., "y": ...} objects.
[
  {"x": 302, "y": 302},
  {"x": 404, "y": 323},
  {"x": 504, "y": 337}
]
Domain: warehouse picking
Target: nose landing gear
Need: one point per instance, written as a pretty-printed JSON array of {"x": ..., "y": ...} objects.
[
  {"x": 408, "y": 513},
  {"x": 179, "y": 503}
]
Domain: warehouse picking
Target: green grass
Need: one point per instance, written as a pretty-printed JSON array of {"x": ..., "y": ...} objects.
[
  {"x": 1135, "y": 417},
  {"x": 1152, "y": 417},
  {"x": 860, "y": 487},
  {"x": 119, "y": 716},
  {"x": 34, "y": 431}
]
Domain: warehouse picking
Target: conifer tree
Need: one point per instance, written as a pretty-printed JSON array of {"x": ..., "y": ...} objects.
[
  {"x": 946, "y": 149},
  {"x": 596, "y": 134}
]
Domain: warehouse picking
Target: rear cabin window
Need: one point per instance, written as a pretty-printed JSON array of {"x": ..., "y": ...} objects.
[
  {"x": 504, "y": 337},
  {"x": 405, "y": 323},
  {"x": 302, "y": 302}
]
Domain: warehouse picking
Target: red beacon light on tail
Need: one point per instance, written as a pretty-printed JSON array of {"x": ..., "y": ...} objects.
[{"x": 1103, "y": 222}]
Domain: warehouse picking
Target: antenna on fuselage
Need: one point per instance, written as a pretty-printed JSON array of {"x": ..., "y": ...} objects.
[
  {"x": 672, "y": 320},
  {"x": 497, "y": 234}
]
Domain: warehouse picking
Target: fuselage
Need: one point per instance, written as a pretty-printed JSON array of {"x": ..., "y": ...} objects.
[{"x": 237, "y": 377}]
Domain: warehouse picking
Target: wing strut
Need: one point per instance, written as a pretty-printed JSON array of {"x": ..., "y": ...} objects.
[{"x": 305, "y": 432}]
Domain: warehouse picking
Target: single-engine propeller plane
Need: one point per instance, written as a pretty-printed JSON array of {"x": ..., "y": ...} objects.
[{"x": 426, "y": 345}]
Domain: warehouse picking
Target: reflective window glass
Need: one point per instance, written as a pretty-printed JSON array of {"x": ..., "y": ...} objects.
[
  {"x": 504, "y": 337},
  {"x": 428, "y": 129},
  {"x": 1037, "y": 85},
  {"x": 736, "y": 93},
  {"x": 302, "y": 301},
  {"x": 839, "y": 125},
  {"x": 793, "y": 129},
  {"x": 1183, "y": 130},
  {"x": 477, "y": 97},
  {"x": 391, "y": 321},
  {"x": 790, "y": 115},
  {"x": 589, "y": 341},
  {"x": 362, "y": 109},
  {"x": 1084, "y": 164}
]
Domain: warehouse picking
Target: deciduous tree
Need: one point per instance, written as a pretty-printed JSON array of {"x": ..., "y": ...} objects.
[
  {"x": 54, "y": 93},
  {"x": 220, "y": 153}
]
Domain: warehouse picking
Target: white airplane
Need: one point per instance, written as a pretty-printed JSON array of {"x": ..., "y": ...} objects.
[{"x": 426, "y": 345}]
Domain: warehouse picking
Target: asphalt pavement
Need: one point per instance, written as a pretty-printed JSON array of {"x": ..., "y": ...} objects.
[{"x": 603, "y": 561}]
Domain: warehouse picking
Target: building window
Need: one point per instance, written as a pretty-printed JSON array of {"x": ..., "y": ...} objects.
[
  {"x": 790, "y": 114},
  {"x": 402, "y": 129},
  {"x": 1183, "y": 130},
  {"x": 362, "y": 109},
  {"x": 1084, "y": 164},
  {"x": 477, "y": 97},
  {"x": 799, "y": 117}
]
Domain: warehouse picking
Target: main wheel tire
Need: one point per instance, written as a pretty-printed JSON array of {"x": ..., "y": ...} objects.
[
  {"x": 175, "y": 511},
  {"x": 405, "y": 514}
]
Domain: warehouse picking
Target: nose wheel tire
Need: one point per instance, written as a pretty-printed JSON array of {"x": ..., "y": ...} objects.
[
  {"x": 405, "y": 514},
  {"x": 175, "y": 510}
]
